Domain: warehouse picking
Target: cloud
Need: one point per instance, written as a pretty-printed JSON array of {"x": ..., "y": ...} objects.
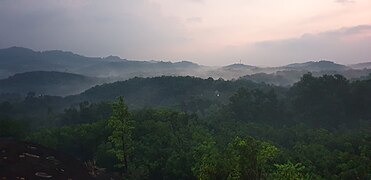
[
  {"x": 345, "y": 45},
  {"x": 194, "y": 19},
  {"x": 187, "y": 29},
  {"x": 131, "y": 29},
  {"x": 197, "y": 1},
  {"x": 345, "y": 1}
]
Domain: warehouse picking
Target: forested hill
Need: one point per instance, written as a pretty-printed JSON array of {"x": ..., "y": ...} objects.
[
  {"x": 317, "y": 129},
  {"x": 166, "y": 91},
  {"x": 188, "y": 128},
  {"x": 289, "y": 77},
  {"x": 47, "y": 82},
  {"x": 317, "y": 66}
]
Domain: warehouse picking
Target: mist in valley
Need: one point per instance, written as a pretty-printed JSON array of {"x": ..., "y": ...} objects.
[{"x": 188, "y": 89}]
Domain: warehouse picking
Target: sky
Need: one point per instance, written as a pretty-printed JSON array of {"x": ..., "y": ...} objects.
[{"x": 208, "y": 32}]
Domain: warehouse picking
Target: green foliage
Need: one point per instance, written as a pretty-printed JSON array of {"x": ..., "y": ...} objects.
[
  {"x": 163, "y": 143},
  {"x": 180, "y": 93},
  {"x": 105, "y": 157},
  {"x": 289, "y": 171},
  {"x": 318, "y": 129},
  {"x": 85, "y": 113},
  {"x": 80, "y": 140},
  {"x": 242, "y": 159},
  {"x": 250, "y": 159},
  {"x": 360, "y": 101},
  {"x": 11, "y": 128},
  {"x": 121, "y": 137},
  {"x": 207, "y": 165},
  {"x": 255, "y": 106},
  {"x": 266, "y": 155},
  {"x": 322, "y": 101}
]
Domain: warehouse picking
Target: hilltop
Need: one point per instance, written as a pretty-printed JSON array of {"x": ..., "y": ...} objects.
[{"x": 47, "y": 82}]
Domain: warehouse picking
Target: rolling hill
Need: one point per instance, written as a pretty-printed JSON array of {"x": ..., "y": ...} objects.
[
  {"x": 316, "y": 66},
  {"x": 366, "y": 65},
  {"x": 164, "y": 91},
  {"x": 47, "y": 82},
  {"x": 17, "y": 60}
]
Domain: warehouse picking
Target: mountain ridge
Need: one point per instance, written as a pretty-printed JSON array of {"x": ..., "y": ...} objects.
[{"x": 15, "y": 60}]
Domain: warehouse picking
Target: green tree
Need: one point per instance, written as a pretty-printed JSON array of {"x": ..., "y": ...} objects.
[
  {"x": 289, "y": 171},
  {"x": 248, "y": 158},
  {"x": 321, "y": 101},
  {"x": 255, "y": 106},
  {"x": 10, "y": 128},
  {"x": 243, "y": 159},
  {"x": 121, "y": 137},
  {"x": 266, "y": 154},
  {"x": 207, "y": 159}
]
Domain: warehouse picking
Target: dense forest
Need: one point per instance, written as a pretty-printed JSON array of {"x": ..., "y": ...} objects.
[{"x": 192, "y": 128}]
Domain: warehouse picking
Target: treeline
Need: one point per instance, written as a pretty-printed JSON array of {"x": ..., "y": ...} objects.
[
  {"x": 186, "y": 94},
  {"x": 317, "y": 129}
]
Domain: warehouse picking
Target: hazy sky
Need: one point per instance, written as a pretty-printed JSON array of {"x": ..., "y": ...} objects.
[{"x": 209, "y": 32}]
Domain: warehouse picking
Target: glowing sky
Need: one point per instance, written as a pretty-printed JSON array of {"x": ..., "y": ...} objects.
[{"x": 210, "y": 32}]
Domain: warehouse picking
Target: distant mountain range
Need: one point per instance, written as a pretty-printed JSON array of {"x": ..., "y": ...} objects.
[
  {"x": 18, "y": 60},
  {"x": 289, "y": 77},
  {"x": 366, "y": 65},
  {"x": 65, "y": 73}
]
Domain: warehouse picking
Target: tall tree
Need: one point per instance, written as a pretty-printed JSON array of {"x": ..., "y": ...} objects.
[{"x": 121, "y": 137}]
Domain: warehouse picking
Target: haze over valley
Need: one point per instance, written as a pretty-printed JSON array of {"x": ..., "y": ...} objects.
[
  {"x": 185, "y": 89},
  {"x": 64, "y": 73}
]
